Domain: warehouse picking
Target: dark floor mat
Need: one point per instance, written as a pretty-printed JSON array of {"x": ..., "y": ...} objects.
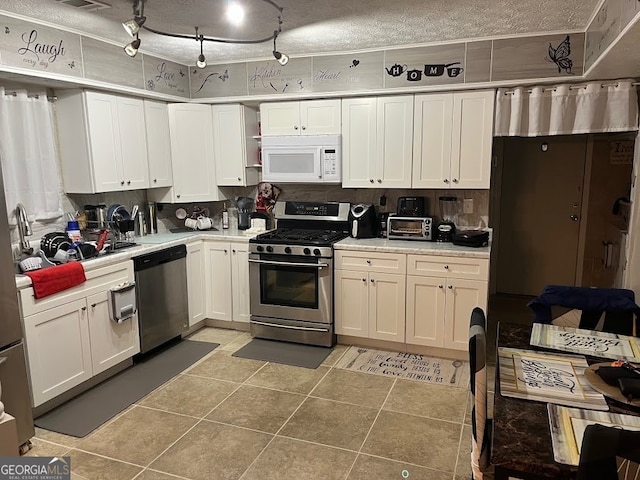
[
  {"x": 295, "y": 354},
  {"x": 86, "y": 412}
]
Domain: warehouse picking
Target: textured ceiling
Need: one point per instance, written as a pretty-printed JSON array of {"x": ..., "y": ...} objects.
[{"x": 315, "y": 26}]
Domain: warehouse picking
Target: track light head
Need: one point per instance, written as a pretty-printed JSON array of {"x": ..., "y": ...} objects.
[
  {"x": 132, "y": 27},
  {"x": 282, "y": 58},
  {"x": 132, "y": 48},
  {"x": 201, "y": 63}
]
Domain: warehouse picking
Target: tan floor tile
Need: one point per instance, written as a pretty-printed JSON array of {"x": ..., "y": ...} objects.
[
  {"x": 291, "y": 459},
  {"x": 212, "y": 451},
  {"x": 428, "y": 400},
  {"x": 226, "y": 367},
  {"x": 138, "y": 436},
  {"x": 215, "y": 335},
  {"x": 153, "y": 475},
  {"x": 42, "y": 448},
  {"x": 353, "y": 387},
  {"x": 55, "y": 437},
  {"x": 288, "y": 378},
  {"x": 464, "y": 454},
  {"x": 257, "y": 408},
  {"x": 374, "y": 468},
  {"x": 330, "y": 423},
  {"x": 93, "y": 467},
  {"x": 190, "y": 395},
  {"x": 334, "y": 356},
  {"x": 408, "y": 438},
  {"x": 237, "y": 343}
]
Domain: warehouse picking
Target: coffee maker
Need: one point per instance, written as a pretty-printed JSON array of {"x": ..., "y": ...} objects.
[{"x": 449, "y": 210}]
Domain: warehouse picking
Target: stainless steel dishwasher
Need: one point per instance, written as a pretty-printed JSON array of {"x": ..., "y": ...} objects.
[{"x": 161, "y": 289}]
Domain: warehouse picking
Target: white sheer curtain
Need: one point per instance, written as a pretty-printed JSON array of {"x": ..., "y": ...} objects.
[
  {"x": 28, "y": 154},
  {"x": 595, "y": 107}
]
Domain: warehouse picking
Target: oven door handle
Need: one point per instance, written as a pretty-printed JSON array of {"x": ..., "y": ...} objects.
[
  {"x": 290, "y": 327},
  {"x": 290, "y": 264}
]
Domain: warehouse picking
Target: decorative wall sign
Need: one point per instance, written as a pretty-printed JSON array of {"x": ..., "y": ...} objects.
[
  {"x": 478, "y": 62},
  {"x": 621, "y": 152},
  {"x": 585, "y": 342},
  {"x": 602, "y": 31},
  {"x": 105, "y": 62},
  {"x": 225, "y": 80},
  {"x": 338, "y": 73},
  {"x": 567, "y": 427},
  {"x": 165, "y": 77},
  {"x": 271, "y": 78},
  {"x": 537, "y": 57},
  {"x": 37, "y": 47},
  {"x": 547, "y": 377},
  {"x": 435, "y": 65}
]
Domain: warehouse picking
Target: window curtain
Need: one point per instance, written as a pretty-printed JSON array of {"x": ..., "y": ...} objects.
[
  {"x": 28, "y": 155},
  {"x": 567, "y": 109}
]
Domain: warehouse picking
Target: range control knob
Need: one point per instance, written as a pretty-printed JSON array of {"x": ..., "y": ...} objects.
[
  {"x": 287, "y": 249},
  {"x": 269, "y": 249},
  {"x": 260, "y": 248},
  {"x": 307, "y": 251},
  {"x": 316, "y": 252}
]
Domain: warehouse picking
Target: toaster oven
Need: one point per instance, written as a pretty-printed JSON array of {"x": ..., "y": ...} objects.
[{"x": 410, "y": 228}]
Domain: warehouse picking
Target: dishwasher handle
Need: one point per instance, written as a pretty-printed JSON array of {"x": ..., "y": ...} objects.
[{"x": 160, "y": 257}]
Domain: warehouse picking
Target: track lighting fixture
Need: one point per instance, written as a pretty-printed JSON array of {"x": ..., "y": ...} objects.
[
  {"x": 136, "y": 24},
  {"x": 132, "y": 48}
]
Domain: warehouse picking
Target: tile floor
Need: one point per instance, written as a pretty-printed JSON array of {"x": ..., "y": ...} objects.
[{"x": 233, "y": 418}]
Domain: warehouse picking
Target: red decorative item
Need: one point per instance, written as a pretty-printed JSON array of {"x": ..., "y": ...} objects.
[
  {"x": 56, "y": 279},
  {"x": 267, "y": 196}
]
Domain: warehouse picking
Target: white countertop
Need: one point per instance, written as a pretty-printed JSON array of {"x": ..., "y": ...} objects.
[{"x": 411, "y": 246}]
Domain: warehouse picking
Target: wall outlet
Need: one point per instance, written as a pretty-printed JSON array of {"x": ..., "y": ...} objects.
[{"x": 467, "y": 205}]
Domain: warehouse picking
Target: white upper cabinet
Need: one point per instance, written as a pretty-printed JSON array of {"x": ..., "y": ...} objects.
[
  {"x": 311, "y": 117},
  {"x": 377, "y": 137},
  {"x": 156, "y": 116},
  {"x": 453, "y": 135},
  {"x": 235, "y": 148},
  {"x": 102, "y": 141},
  {"x": 192, "y": 156}
]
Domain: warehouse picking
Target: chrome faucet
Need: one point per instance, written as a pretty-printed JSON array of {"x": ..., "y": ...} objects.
[{"x": 24, "y": 229}]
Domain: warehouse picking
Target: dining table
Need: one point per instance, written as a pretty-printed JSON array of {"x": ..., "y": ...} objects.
[{"x": 521, "y": 437}]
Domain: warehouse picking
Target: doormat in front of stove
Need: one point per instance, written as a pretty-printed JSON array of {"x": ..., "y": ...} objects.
[{"x": 409, "y": 366}]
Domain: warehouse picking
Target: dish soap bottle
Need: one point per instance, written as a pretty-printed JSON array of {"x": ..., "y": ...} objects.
[{"x": 225, "y": 217}]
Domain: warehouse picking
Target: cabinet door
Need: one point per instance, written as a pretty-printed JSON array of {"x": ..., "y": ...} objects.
[
  {"x": 387, "y": 301},
  {"x": 425, "y": 310},
  {"x": 432, "y": 124},
  {"x": 240, "y": 281},
  {"x": 104, "y": 139},
  {"x": 395, "y": 142},
  {"x": 472, "y": 139},
  {"x": 58, "y": 350},
  {"x": 133, "y": 143},
  {"x": 461, "y": 298},
  {"x": 351, "y": 303},
  {"x": 156, "y": 118},
  {"x": 194, "y": 178},
  {"x": 280, "y": 118},
  {"x": 320, "y": 117},
  {"x": 229, "y": 145},
  {"x": 218, "y": 285},
  {"x": 111, "y": 342},
  {"x": 196, "y": 282},
  {"x": 359, "y": 142}
]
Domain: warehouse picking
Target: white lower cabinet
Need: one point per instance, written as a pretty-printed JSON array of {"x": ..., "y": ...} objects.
[
  {"x": 351, "y": 303},
  {"x": 70, "y": 337},
  {"x": 196, "y": 283},
  {"x": 227, "y": 281}
]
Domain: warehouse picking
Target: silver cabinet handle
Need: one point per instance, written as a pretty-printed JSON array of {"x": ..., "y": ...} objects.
[
  {"x": 446, "y": 180},
  {"x": 575, "y": 218}
]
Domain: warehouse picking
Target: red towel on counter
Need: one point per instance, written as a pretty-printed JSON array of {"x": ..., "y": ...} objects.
[{"x": 48, "y": 281}]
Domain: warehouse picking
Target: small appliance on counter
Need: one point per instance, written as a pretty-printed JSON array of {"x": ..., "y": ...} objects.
[
  {"x": 411, "y": 206},
  {"x": 449, "y": 209},
  {"x": 383, "y": 219},
  {"x": 471, "y": 238},
  {"x": 410, "y": 228},
  {"x": 362, "y": 221}
]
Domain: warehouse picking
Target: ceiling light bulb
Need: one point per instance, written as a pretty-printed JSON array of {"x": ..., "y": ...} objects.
[
  {"x": 235, "y": 14},
  {"x": 132, "y": 48},
  {"x": 282, "y": 58},
  {"x": 133, "y": 26},
  {"x": 201, "y": 63}
]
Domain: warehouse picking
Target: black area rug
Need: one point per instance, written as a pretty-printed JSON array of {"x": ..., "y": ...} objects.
[
  {"x": 307, "y": 356},
  {"x": 86, "y": 412}
]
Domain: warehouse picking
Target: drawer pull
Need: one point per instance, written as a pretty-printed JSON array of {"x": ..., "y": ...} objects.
[
  {"x": 369, "y": 262},
  {"x": 84, "y": 308},
  {"x": 450, "y": 287},
  {"x": 93, "y": 305},
  {"x": 440, "y": 286},
  {"x": 364, "y": 280},
  {"x": 373, "y": 281},
  {"x": 446, "y": 267}
]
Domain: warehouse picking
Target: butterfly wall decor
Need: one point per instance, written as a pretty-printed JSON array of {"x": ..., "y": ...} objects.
[{"x": 560, "y": 56}]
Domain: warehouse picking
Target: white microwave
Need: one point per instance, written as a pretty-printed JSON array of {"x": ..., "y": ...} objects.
[{"x": 302, "y": 159}]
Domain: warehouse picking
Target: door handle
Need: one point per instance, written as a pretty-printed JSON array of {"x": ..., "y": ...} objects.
[{"x": 575, "y": 218}]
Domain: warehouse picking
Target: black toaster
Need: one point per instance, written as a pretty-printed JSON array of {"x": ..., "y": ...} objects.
[{"x": 471, "y": 238}]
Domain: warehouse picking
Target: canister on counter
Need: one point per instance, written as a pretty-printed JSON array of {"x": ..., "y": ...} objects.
[{"x": 151, "y": 219}]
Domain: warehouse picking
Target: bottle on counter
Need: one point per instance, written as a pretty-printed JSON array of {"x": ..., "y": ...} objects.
[{"x": 225, "y": 217}]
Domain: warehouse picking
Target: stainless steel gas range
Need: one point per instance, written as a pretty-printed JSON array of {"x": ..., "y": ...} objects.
[{"x": 291, "y": 273}]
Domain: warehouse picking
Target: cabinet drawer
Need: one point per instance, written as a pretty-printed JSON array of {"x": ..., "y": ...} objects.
[
  {"x": 371, "y": 261},
  {"x": 449, "y": 267}
]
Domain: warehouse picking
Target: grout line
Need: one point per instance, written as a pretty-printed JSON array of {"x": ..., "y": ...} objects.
[
  {"x": 455, "y": 469},
  {"x": 159, "y": 471}
]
